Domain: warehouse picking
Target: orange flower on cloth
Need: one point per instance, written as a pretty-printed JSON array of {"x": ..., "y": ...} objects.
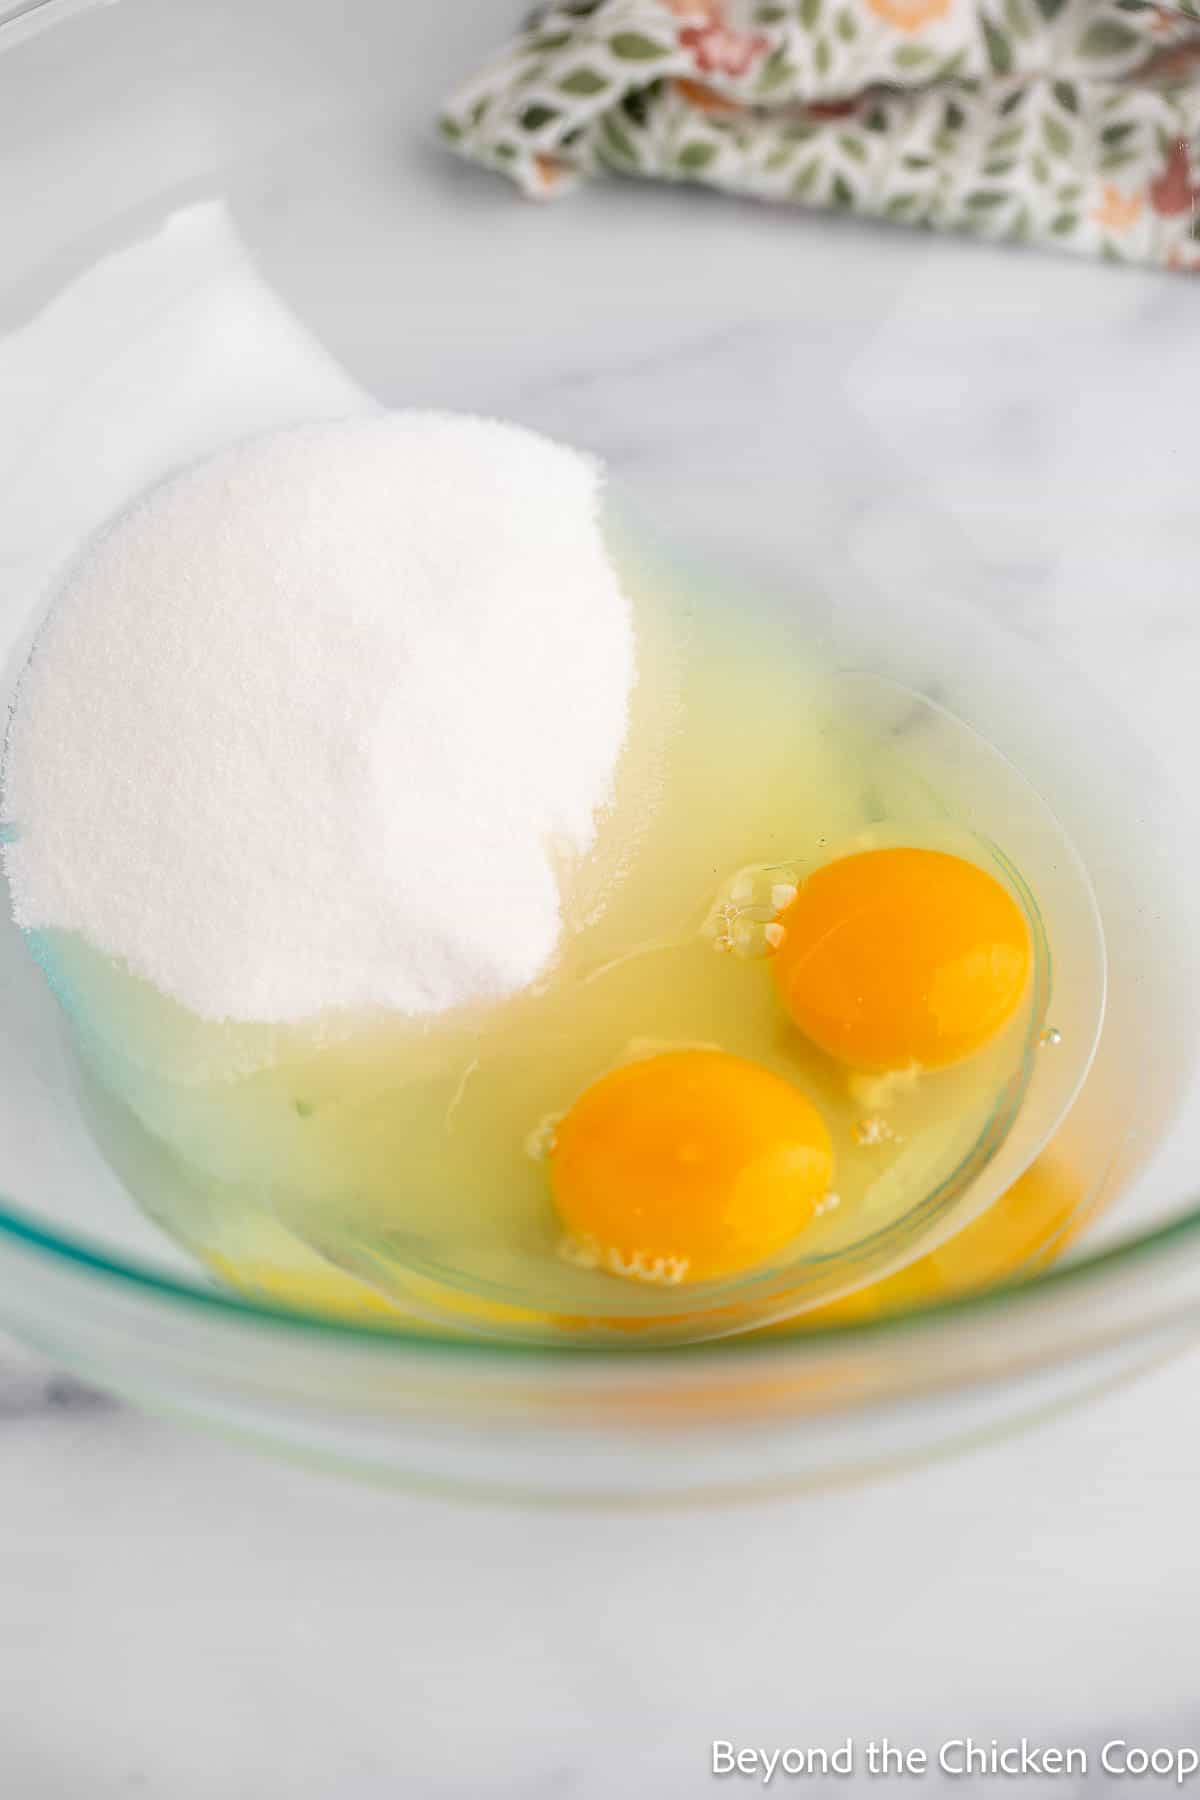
[
  {"x": 704, "y": 99},
  {"x": 910, "y": 15},
  {"x": 549, "y": 171},
  {"x": 1173, "y": 192},
  {"x": 1117, "y": 212},
  {"x": 719, "y": 50}
]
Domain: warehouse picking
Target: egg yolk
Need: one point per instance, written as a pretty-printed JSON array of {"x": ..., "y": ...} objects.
[
  {"x": 1021, "y": 1232},
  {"x": 898, "y": 957},
  {"x": 688, "y": 1166},
  {"x": 310, "y": 1287}
]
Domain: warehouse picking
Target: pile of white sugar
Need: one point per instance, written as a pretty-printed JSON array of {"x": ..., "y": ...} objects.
[{"x": 312, "y": 726}]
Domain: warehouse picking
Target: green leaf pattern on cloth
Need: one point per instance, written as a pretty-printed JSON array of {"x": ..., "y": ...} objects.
[{"x": 1074, "y": 123}]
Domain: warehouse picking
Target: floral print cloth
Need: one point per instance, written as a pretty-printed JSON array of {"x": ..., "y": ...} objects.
[{"x": 1074, "y": 123}]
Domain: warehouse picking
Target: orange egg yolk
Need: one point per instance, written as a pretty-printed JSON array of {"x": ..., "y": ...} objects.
[
  {"x": 687, "y": 1167},
  {"x": 1021, "y": 1232},
  {"x": 892, "y": 958}
]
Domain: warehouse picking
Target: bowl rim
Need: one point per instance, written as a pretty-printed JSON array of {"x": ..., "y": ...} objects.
[{"x": 1013, "y": 1296}]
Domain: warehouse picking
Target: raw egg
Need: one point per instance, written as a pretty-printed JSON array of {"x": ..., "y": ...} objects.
[
  {"x": 688, "y": 1166},
  {"x": 1022, "y": 1231},
  {"x": 891, "y": 959}
]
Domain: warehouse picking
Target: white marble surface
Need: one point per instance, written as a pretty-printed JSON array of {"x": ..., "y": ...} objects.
[{"x": 180, "y": 1620}]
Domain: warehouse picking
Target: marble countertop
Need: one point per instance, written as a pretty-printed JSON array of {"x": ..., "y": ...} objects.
[{"x": 181, "y": 1620}]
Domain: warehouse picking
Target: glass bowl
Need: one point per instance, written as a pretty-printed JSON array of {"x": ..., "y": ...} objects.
[{"x": 968, "y": 465}]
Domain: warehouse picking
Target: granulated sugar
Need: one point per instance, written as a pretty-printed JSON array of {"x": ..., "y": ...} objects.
[{"x": 311, "y": 726}]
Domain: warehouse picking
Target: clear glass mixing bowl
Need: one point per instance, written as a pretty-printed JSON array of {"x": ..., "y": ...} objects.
[{"x": 971, "y": 463}]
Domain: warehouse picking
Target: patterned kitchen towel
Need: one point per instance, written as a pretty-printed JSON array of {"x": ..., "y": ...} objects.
[{"x": 1074, "y": 123}]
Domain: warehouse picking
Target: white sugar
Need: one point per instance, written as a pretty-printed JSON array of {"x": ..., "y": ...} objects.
[{"x": 313, "y": 726}]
